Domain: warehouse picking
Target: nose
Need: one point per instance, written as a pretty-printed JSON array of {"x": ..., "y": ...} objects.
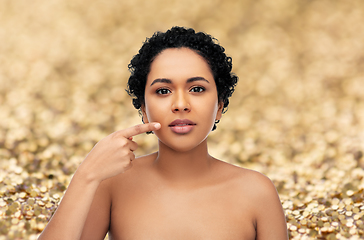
[{"x": 180, "y": 103}]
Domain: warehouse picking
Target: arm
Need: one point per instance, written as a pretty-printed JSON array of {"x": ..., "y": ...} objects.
[
  {"x": 270, "y": 219},
  {"x": 98, "y": 219},
  {"x": 110, "y": 157},
  {"x": 69, "y": 218}
]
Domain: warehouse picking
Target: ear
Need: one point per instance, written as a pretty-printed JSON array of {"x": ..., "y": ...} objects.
[
  {"x": 144, "y": 114},
  {"x": 219, "y": 110}
]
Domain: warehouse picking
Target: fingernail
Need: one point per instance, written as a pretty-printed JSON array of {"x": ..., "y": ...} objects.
[{"x": 157, "y": 125}]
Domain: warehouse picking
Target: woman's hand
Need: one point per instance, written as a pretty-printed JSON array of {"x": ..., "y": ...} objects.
[
  {"x": 114, "y": 154},
  {"x": 111, "y": 156}
]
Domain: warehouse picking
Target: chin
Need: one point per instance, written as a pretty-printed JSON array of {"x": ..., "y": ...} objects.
[
  {"x": 183, "y": 149},
  {"x": 180, "y": 145}
]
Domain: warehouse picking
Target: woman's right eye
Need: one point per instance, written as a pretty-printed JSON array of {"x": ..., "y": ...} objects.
[{"x": 163, "y": 91}]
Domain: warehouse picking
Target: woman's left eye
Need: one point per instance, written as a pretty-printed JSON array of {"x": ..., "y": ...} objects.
[{"x": 197, "y": 89}]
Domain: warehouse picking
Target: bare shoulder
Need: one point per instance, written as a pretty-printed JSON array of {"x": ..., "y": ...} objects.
[
  {"x": 259, "y": 183},
  {"x": 257, "y": 191},
  {"x": 252, "y": 184},
  {"x": 245, "y": 176},
  {"x": 136, "y": 174}
]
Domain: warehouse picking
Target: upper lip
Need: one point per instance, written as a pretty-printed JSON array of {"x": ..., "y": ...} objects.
[{"x": 181, "y": 122}]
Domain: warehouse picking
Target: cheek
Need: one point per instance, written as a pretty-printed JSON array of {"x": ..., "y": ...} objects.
[
  {"x": 155, "y": 109},
  {"x": 207, "y": 111}
]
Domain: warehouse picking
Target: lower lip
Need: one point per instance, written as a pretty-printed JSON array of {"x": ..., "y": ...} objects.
[{"x": 182, "y": 129}]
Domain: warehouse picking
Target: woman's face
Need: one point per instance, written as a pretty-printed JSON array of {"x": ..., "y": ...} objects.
[{"x": 181, "y": 95}]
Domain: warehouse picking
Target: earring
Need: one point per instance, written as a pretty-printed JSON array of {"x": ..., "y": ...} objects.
[
  {"x": 144, "y": 123},
  {"x": 214, "y": 127}
]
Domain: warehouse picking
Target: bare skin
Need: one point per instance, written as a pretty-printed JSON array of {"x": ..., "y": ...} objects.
[
  {"x": 223, "y": 204},
  {"x": 111, "y": 156},
  {"x": 180, "y": 192}
]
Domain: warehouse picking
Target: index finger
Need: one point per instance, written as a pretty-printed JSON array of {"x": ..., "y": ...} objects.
[{"x": 140, "y": 128}]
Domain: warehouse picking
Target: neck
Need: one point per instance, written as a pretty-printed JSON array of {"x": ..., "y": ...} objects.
[{"x": 183, "y": 167}]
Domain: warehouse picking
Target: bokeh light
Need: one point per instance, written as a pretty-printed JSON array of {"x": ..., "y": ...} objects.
[{"x": 297, "y": 114}]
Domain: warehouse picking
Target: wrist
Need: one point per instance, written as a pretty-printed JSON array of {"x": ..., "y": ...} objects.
[{"x": 87, "y": 176}]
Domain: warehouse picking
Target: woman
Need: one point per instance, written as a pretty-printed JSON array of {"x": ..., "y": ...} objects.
[{"x": 181, "y": 82}]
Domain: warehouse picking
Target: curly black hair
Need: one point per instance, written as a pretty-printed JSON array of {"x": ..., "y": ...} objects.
[{"x": 179, "y": 37}]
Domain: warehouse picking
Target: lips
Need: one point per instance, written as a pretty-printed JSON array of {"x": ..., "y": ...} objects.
[
  {"x": 182, "y": 126},
  {"x": 181, "y": 122}
]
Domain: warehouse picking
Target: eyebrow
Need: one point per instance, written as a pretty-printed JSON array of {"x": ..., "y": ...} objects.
[{"x": 166, "y": 80}]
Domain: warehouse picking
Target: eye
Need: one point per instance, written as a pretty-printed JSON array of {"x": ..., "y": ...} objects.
[
  {"x": 163, "y": 91},
  {"x": 197, "y": 89}
]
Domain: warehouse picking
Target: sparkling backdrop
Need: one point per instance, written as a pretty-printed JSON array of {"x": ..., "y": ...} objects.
[{"x": 297, "y": 114}]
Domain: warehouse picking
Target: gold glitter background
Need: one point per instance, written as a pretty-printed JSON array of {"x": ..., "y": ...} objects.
[{"x": 297, "y": 114}]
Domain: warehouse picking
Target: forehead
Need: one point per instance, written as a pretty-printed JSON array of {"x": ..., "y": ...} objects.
[{"x": 179, "y": 63}]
